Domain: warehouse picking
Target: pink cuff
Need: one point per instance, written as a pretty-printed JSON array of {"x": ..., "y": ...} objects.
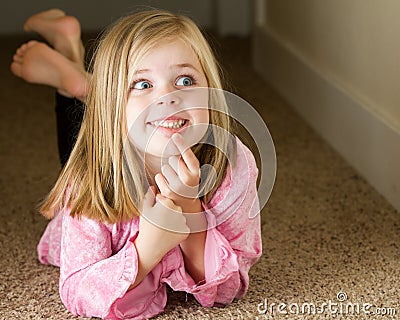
[{"x": 220, "y": 264}]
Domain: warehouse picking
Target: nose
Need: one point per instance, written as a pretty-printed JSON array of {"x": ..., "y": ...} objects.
[{"x": 169, "y": 96}]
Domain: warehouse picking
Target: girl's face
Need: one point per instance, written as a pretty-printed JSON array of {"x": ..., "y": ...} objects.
[{"x": 166, "y": 97}]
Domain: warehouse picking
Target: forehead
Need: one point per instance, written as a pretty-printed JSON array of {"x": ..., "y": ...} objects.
[{"x": 168, "y": 52}]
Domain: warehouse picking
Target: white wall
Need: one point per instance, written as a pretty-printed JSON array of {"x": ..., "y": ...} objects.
[
  {"x": 337, "y": 63},
  {"x": 356, "y": 42}
]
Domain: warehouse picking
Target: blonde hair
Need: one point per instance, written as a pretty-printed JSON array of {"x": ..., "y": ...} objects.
[{"x": 95, "y": 182}]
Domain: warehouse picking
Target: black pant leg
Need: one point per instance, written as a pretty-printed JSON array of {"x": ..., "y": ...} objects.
[{"x": 69, "y": 115}]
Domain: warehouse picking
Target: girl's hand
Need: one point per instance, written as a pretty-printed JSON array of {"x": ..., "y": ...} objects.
[
  {"x": 179, "y": 179},
  {"x": 162, "y": 225}
]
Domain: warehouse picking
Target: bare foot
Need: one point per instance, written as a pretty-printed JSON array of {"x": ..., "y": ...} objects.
[
  {"x": 36, "y": 62},
  {"x": 61, "y": 31}
]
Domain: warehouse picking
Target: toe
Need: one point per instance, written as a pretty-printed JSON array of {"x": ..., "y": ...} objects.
[
  {"x": 17, "y": 58},
  {"x": 16, "y": 68},
  {"x": 31, "y": 43}
]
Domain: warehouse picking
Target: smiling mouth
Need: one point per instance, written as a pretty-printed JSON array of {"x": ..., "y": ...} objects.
[{"x": 170, "y": 124}]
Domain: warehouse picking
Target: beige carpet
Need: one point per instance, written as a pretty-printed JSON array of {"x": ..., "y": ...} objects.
[{"x": 325, "y": 230}]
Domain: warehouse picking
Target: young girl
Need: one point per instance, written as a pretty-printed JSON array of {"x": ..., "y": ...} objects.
[{"x": 117, "y": 242}]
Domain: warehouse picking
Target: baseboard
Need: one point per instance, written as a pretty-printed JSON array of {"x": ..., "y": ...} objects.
[{"x": 365, "y": 140}]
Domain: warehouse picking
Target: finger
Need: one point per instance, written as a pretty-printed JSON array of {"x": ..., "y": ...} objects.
[
  {"x": 188, "y": 156},
  {"x": 162, "y": 184},
  {"x": 169, "y": 174},
  {"x": 163, "y": 199},
  {"x": 173, "y": 161},
  {"x": 168, "y": 203},
  {"x": 182, "y": 171},
  {"x": 187, "y": 177},
  {"x": 149, "y": 197}
]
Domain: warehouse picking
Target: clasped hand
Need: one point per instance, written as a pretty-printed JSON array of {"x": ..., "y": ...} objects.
[{"x": 163, "y": 223}]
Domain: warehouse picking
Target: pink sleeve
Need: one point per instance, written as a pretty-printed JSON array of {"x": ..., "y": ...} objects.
[
  {"x": 233, "y": 242},
  {"x": 94, "y": 281}
]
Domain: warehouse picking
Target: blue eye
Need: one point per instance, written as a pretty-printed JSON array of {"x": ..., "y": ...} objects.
[
  {"x": 142, "y": 85},
  {"x": 184, "y": 81}
]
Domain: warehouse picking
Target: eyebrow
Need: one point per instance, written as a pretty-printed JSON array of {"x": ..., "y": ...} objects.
[
  {"x": 180, "y": 65},
  {"x": 187, "y": 65}
]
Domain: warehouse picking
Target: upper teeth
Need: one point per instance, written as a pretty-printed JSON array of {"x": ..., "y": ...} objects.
[{"x": 173, "y": 124}]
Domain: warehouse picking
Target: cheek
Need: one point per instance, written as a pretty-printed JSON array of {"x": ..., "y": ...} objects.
[
  {"x": 135, "y": 112},
  {"x": 202, "y": 116},
  {"x": 197, "y": 130},
  {"x": 135, "y": 122},
  {"x": 131, "y": 117},
  {"x": 131, "y": 114}
]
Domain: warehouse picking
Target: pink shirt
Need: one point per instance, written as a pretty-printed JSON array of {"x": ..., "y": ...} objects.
[{"x": 98, "y": 262}]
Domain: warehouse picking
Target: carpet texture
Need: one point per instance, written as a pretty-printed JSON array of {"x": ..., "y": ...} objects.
[{"x": 328, "y": 236}]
